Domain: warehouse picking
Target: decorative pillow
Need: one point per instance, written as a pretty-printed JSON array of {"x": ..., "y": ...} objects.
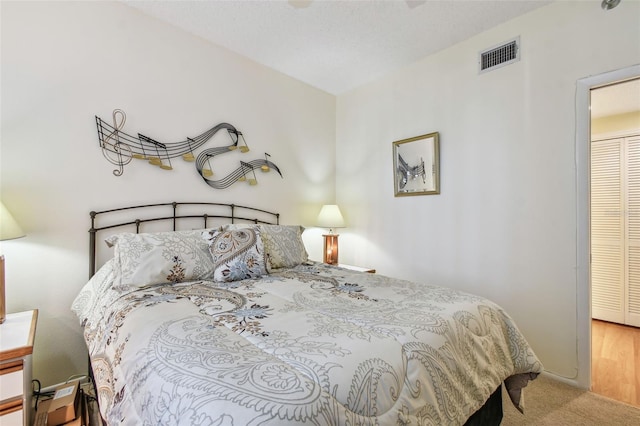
[
  {"x": 163, "y": 257},
  {"x": 237, "y": 254},
  {"x": 284, "y": 246},
  {"x": 282, "y": 243}
]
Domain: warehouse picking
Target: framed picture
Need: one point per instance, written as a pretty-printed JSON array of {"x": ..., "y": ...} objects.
[{"x": 416, "y": 165}]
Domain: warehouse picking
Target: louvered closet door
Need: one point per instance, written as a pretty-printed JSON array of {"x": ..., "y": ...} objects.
[
  {"x": 632, "y": 296},
  {"x": 607, "y": 231}
]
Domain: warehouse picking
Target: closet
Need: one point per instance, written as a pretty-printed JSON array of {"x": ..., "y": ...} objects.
[{"x": 615, "y": 229}]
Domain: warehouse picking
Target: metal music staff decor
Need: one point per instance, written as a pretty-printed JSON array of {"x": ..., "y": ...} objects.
[{"x": 119, "y": 148}]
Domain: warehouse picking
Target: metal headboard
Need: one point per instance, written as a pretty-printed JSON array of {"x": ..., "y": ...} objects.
[{"x": 135, "y": 216}]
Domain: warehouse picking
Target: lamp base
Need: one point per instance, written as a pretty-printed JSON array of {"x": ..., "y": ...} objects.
[{"x": 330, "y": 252}]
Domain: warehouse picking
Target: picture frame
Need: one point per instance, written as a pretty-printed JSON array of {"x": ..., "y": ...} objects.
[{"x": 416, "y": 165}]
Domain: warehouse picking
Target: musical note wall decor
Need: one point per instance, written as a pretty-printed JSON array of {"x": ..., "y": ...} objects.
[{"x": 119, "y": 148}]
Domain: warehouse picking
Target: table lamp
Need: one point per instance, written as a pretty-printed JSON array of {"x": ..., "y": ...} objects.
[
  {"x": 330, "y": 217},
  {"x": 9, "y": 229}
]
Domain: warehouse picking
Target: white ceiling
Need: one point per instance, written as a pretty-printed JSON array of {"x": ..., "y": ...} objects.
[{"x": 336, "y": 45}]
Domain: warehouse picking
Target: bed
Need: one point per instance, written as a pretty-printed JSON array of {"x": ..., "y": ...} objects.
[{"x": 226, "y": 321}]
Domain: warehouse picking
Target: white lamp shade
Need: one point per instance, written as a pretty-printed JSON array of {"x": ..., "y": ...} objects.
[
  {"x": 330, "y": 217},
  {"x": 9, "y": 228}
]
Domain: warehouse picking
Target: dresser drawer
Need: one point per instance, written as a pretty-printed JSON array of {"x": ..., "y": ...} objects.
[
  {"x": 17, "y": 334},
  {"x": 11, "y": 380},
  {"x": 12, "y": 416}
]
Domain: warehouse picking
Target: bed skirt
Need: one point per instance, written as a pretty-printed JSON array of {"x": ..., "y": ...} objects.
[{"x": 490, "y": 413}]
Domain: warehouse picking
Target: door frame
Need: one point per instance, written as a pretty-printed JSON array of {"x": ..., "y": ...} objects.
[{"x": 583, "y": 212}]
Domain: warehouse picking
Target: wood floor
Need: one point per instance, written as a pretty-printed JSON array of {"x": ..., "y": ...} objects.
[{"x": 615, "y": 352}]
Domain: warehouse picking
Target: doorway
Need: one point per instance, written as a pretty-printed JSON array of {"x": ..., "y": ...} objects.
[
  {"x": 615, "y": 238},
  {"x": 615, "y": 202},
  {"x": 582, "y": 167}
]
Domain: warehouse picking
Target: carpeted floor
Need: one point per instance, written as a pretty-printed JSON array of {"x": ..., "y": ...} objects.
[{"x": 552, "y": 403}]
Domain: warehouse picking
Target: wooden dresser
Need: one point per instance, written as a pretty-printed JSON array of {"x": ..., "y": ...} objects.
[{"x": 16, "y": 346}]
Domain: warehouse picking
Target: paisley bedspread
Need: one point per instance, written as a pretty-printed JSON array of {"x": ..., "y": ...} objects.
[{"x": 313, "y": 344}]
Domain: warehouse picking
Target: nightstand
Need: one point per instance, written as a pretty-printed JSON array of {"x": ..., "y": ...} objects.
[
  {"x": 356, "y": 268},
  {"x": 16, "y": 346}
]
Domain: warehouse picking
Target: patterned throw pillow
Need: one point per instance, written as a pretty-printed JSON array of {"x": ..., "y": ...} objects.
[
  {"x": 162, "y": 257},
  {"x": 237, "y": 254},
  {"x": 283, "y": 244}
]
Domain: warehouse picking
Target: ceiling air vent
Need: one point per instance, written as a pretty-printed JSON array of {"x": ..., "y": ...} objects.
[{"x": 499, "y": 56}]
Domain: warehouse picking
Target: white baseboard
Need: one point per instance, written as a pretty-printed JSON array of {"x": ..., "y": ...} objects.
[{"x": 565, "y": 380}]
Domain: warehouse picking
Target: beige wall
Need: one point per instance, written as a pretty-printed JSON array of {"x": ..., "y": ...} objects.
[
  {"x": 504, "y": 225},
  {"x": 63, "y": 63},
  {"x": 616, "y": 123}
]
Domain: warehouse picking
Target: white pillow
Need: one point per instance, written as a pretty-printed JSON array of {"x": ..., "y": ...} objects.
[
  {"x": 163, "y": 257},
  {"x": 284, "y": 246}
]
